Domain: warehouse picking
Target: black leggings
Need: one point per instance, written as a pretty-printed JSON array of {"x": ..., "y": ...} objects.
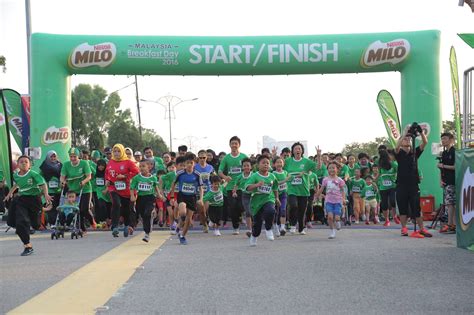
[
  {"x": 298, "y": 206},
  {"x": 102, "y": 210},
  {"x": 215, "y": 214},
  {"x": 387, "y": 199},
  {"x": 145, "y": 206},
  {"x": 24, "y": 212},
  {"x": 235, "y": 208},
  {"x": 120, "y": 207},
  {"x": 84, "y": 207},
  {"x": 266, "y": 213},
  {"x": 408, "y": 200},
  {"x": 309, "y": 207}
]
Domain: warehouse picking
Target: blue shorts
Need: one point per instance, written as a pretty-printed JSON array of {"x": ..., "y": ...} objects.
[{"x": 334, "y": 208}]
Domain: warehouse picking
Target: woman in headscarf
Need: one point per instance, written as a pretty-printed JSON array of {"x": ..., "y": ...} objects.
[
  {"x": 50, "y": 169},
  {"x": 103, "y": 205},
  {"x": 120, "y": 171}
]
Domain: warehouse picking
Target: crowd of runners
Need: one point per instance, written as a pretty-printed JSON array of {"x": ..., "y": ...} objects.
[{"x": 280, "y": 190}]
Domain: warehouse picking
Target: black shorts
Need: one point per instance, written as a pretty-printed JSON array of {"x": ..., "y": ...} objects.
[
  {"x": 408, "y": 200},
  {"x": 189, "y": 200}
]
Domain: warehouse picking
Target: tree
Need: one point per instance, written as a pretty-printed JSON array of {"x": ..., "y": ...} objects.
[
  {"x": 3, "y": 63},
  {"x": 449, "y": 126},
  {"x": 93, "y": 110},
  {"x": 151, "y": 139},
  {"x": 366, "y": 147},
  {"x": 123, "y": 130}
]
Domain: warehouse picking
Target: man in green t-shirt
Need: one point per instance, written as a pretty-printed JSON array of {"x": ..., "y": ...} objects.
[{"x": 229, "y": 169}]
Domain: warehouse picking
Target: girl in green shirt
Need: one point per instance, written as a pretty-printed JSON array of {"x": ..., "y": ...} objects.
[{"x": 26, "y": 205}]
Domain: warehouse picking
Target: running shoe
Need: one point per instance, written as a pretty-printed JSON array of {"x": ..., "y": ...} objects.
[
  {"x": 338, "y": 225},
  {"x": 182, "y": 240},
  {"x": 396, "y": 219},
  {"x": 367, "y": 222},
  {"x": 303, "y": 232},
  {"x": 417, "y": 234},
  {"x": 125, "y": 231},
  {"x": 293, "y": 230},
  {"x": 444, "y": 229},
  {"x": 452, "y": 230},
  {"x": 248, "y": 233},
  {"x": 217, "y": 232},
  {"x": 387, "y": 223},
  {"x": 269, "y": 234},
  {"x": 276, "y": 230},
  {"x": 146, "y": 238},
  {"x": 205, "y": 228},
  {"x": 363, "y": 217},
  {"x": 211, "y": 225},
  {"x": 309, "y": 225},
  {"x": 425, "y": 233},
  {"x": 115, "y": 232},
  {"x": 357, "y": 222},
  {"x": 404, "y": 231},
  {"x": 236, "y": 232},
  {"x": 27, "y": 251},
  {"x": 253, "y": 241},
  {"x": 332, "y": 235},
  {"x": 283, "y": 231}
]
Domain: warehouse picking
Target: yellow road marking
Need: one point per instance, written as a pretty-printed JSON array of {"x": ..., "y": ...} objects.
[
  {"x": 41, "y": 235},
  {"x": 92, "y": 285}
]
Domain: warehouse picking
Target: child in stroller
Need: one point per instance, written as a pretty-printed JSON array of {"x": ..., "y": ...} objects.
[{"x": 67, "y": 218}]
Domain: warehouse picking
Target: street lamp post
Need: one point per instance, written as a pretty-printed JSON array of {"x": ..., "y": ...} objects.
[{"x": 169, "y": 102}]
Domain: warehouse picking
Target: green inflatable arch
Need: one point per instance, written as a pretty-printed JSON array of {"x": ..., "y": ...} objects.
[{"x": 56, "y": 57}]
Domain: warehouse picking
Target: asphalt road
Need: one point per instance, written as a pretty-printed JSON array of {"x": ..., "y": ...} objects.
[{"x": 361, "y": 271}]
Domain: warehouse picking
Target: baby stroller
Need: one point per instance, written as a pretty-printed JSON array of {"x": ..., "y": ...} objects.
[{"x": 67, "y": 219}]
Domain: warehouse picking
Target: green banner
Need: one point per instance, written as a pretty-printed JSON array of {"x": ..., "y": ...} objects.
[
  {"x": 4, "y": 145},
  {"x": 13, "y": 105},
  {"x": 456, "y": 99},
  {"x": 390, "y": 118},
  {"x": 465, "y": 197}
]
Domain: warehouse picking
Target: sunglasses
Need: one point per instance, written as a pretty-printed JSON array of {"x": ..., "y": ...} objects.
[{"x": 203, "y": 157}]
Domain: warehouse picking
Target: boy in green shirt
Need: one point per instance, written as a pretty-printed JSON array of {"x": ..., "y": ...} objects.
[
  {"x": 214, "y": 203},
  {"x": 264, "y": 188},
  {"x": 240, "y": 183},
  {"x": 369, "y": 193}
]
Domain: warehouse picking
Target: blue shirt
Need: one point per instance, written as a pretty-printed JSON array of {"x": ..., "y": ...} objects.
[
  {"x": 205, "y": 175},
  {"x": 188, "y": 184}
]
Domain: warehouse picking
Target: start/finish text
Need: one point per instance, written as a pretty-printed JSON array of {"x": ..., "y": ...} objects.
[{"x": 275, "y": 53}]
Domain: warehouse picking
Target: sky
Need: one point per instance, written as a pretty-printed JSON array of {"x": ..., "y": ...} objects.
[{"x": 325, "y": 110}]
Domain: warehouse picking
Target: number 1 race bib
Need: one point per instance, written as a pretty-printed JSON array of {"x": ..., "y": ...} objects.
[
  {"x": 99, "y": 181},
  {"x": 387, "y": 182},
  {"x": 188, "y": 188},
  {"x": 120, "y": 185},
  {"x": 144, "y": 187},
  {"x": 297, "y": 181},
  {"x": 53, "y": 184}
]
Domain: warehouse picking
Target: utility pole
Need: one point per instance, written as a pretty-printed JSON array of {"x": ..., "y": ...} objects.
[{"x": 138, "y": 109}]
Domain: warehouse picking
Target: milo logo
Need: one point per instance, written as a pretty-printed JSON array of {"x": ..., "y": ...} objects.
[
  {"x": 379, "y": 53},
  {"x": 393, "y": 128},
  {"x": 466, "y": 203},
  {"x": 53, "y": 135},
  {"x": 86, "y": 55},
  {"x": 17, "y": 124}
]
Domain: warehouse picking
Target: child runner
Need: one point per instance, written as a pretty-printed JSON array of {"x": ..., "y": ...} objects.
[
  {"x": 375, "y": 176},
  {"x": 282, "y": 177},
  {"x": 26, "y": 206},
  {"x": 159, "y": 203},
  {"x": 264, "y": 188},
  {"x": 189, "y": 183},
  {"x": 214, "y": 202},
  {"x": 144, "y": 188},
  {"x": 165, "y": 183},
  {"x": 206, "y": 170},
  {"x": 386, "y": 182},
  {"x": 335, "y": 198},
  {"x": 369, "y": 193},
  {"x": 229, "y": 169},
  {"x": 240, "y": 183},
  {"x": 356, "y": 185},
  {"x": 103, "y": 206},
  {"x": 313, "y": 187}
]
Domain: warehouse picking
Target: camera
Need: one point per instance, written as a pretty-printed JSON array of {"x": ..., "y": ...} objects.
[{"x": 414, "y": 130}]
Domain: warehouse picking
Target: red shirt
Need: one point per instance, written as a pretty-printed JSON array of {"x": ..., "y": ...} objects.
[{"x": 121, "y": 186}]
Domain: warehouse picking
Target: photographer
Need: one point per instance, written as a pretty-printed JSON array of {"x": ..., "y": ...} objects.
[
  {"x": 446, "y": 166},
  {"x": 408, "y": 192}
]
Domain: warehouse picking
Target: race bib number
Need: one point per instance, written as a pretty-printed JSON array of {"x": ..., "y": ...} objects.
[
  {"x": 205, "y": 176},
  {"x": 356, "y": 189},
  {"x": 297, "y": 181},
  {"x": 235, "y": 170},
  {"x": 265, "y": 189},
  {"x": 387, "y": 182},
  {"x": 369, "y": 193},
  {"x": 282, "y": 187},
  {"x": 100, "y": 182},
  {"x": 144, "y": 187},
  {"x": 188, "y": 188},
  {"x": 53, "y": 184},
  {"x": 218, "y": 197},
  {"x": 120, "y": 185}
]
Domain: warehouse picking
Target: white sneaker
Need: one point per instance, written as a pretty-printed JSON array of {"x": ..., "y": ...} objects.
[
  {"x": 363, "y": 218},
  {"x": 292, "y": 229},
  {"x": 356, "y": 222},
  {"x": 303, "y": 232},
  {"x": 276, "y": 230},
  {"x": 210, "y": 224},
  {"x": 332, "y": 235},
  {"x": 253, "y": 241},
  {"x": 338, "y": 225},
  {"x": 236, "y": 232},
  {"x": 377, "y": 219},
  {"x": 217, "y": 232},
  {"x": 146, "y": 238},
  {"x": 269, "y": 234}
]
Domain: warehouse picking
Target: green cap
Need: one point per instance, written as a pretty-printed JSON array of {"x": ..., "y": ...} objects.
[
  {"x": 96, "y": 154},
  {"x": 73, "y": 151}
]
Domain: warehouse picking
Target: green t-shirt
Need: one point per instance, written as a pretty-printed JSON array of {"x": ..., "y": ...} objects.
[
  {"x": 144, "y": 185},
  {"x": 263, "y": 194},
  {"x": 343, "y": 172},
  {"x": 241, "y": 182},
  {"x": 369, "y": 192},
  {"x": 299, "y": 184},
  {"x": 388, "y": 178},
  {"x": 232, "y": 166},
  {"x": 281, "y": 176},
  {"x": 99, "y": 187},
  {"x": 313, "y": 181},
  {"x": 356, "y": 185},
  {"x": 54, "y": 186},
  {"x": 28, "y": 183},
  {"x": 159, "y": 164},
  {"x": 168, "y": 180},
  {"x": 351, "y": 170},
  {"x": 322, "y": 172},
  {"x": 76, "y": 174},
  {"x": 215, "y": 198},
  {"x": 93, "y": 167}
]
